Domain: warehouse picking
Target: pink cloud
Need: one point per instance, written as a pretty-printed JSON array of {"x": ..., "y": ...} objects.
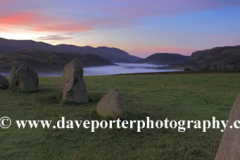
[
  {"x": 38, "y": 22},
  {"x": 18, "y": 19}
]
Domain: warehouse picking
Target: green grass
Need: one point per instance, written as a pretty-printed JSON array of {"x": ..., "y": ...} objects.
[{"x": 176, "y": 97}]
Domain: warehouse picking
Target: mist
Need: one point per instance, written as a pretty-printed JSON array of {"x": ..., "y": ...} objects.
[{"x": 119, "y": 68}]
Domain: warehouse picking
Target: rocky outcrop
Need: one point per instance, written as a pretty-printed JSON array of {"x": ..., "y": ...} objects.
[
  {"x": 229, "y": 148},
  {"x": 3, "y": 82},
  {"x": 73, "y": 86},
  {"x": 27, "y": 78},
  {"x": 111, "y": 105}
]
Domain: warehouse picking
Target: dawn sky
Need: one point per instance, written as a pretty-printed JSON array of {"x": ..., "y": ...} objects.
[{"x": 140, "y": 27}]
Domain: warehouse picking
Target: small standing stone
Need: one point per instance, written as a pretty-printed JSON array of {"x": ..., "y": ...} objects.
[
  {"x": 13, "y": 76},
  {"x": 3, "y": 82},
  {"x": 111, "y": 105},
  {"x": 229, "y": 148},
  {"x": 73, "y": 86},
  {"x": 27, "y": 78}
]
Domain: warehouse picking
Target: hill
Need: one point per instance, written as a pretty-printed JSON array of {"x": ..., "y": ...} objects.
[
  {"x": 112, "y": 54},
  {"x": 48, "y": 61},
  {"x": 215, "y": 58},
  {"x": 163, "y": 58}
]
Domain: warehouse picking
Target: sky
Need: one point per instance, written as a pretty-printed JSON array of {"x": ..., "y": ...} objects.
[{"x": 139, "y": 27}]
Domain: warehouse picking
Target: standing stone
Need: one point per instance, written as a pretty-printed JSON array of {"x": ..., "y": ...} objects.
[
  {"x": 111, "y": 105},
  {"x": 3, "y": 82},
  {"x": 13, "y": 76},
  {"x": 27, "y": 78},
  {"x": 229, "y": 148},
  {"x": 73, "y": 86}
]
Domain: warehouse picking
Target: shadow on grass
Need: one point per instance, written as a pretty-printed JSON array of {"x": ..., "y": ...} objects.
[
  {"x": 17, "y": 89},
  {"x": 95, "y": 97},
  {"x": 129, "y": 116},
  {"x": 92, "y": 99}
]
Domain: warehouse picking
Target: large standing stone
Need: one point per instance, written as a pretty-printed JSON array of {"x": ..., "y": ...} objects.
[
  {"x": 27, "y": 78},
  {"x": 229, "y": 148},
  {"x": 73, "y": 86},
  {"x": 13, "y": 76},
  {"x": 111, "y": 105},
  {"x": 3, "y": 82}
]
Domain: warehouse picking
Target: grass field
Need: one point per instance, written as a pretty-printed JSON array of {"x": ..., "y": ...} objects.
[{"x": 176, "y": 97}]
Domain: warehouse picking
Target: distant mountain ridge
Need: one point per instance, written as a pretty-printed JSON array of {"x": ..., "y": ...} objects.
[
  {"x": 163, "y": 58},
  {"x": 48, "y": 61},
  {"x": 216, "y": 58},
  {"x": 112, "y": 54}
]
